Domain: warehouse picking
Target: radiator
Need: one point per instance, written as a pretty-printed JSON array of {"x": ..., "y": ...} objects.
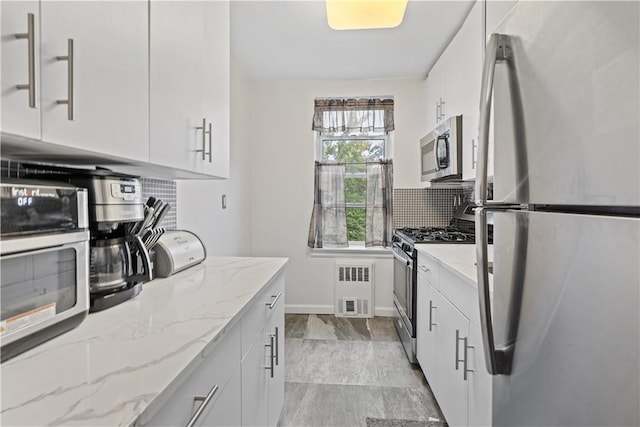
[{"x": 353, "y": 289}]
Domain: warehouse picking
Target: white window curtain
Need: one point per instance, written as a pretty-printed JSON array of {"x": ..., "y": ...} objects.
[
  {"x": 353, "y": 115},
  {"x": 328, "y": 227},
  {"x": 379, "y": 204}
]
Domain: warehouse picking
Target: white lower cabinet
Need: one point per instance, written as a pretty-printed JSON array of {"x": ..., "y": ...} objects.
[
  {"x": 233, "y": 384},
  {"x": 263, "y": 360},
  {"x": 218, "y": 375},
  {"x": 449, "y": 349}
]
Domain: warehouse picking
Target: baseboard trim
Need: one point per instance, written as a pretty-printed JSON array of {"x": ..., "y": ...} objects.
[
  {"x": 328, "y": 309},
  {"x": 308, "y": 309}
]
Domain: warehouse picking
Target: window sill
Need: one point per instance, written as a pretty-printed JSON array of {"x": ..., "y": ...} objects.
[{"x": 353, "y": 250}]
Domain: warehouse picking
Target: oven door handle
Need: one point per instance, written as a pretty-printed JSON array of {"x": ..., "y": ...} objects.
[{"x": 401, "y": 258}]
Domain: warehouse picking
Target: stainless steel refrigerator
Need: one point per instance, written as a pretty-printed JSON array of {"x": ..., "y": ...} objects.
[{"x": 560, "y": 322}]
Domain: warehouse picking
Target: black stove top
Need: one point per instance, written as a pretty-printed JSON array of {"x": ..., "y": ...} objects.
[{"x": 435, "y": 235}]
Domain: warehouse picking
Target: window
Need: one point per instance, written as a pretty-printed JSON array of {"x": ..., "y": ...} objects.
[
  {"x": 353, "y": 175},
  {"x": 354, "y": 150}
]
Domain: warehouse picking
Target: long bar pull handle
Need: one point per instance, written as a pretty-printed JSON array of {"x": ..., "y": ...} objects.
[
  {"x": 69, "y": 58},
  {"x": 458, "y": 360},
  {"x": 441, "y": 108},
  {"x": 431, "y": 307},
  {"x": 30, "y": 35},
  {"x": 277, "y": 348},
  {"x": 205, "y": 401},
  {"x": 465, "y": 363},
  {"x": 271, "y": 346},
  {"x": 204, "y": 138},
  {"x": 210, "y": 132},
  {"x": 273, "y": 303}
]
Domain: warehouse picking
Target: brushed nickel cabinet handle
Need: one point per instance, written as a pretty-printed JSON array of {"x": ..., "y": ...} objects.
[
  {"x": 210, "y": 132},
  {"x": 205, "y": 401},
  {"x": 458, "y": 347},
  {"x": 277, "y": 348},
  {"x": 431, "y": 307},
  {"x": 30, "y": 35},
  {"x": 273, "y": 303},
  {"x": 271, "y": 355},
  {"x": 204, "y": 138},
  {"x": 69, "y": 58}
]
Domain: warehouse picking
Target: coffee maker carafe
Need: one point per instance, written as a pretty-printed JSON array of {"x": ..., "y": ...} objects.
[{"x": 119, "y": 261}]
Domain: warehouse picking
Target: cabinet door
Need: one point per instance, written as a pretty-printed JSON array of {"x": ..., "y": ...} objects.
[
  {"x": 426, "y": 329},
  {"x": 225, "y": 410},
  {"x": 177, "y": 34},
  {"x": 276, "y": 383},
  {"x": 452, "y": 390},
  {"x": 17, "y": 116},
  {"x": 471, "y": 41},
  {"x": 255, "y": 386},
  {"x": 216, "y": 87},
  {"x": 480, "y": 382},
  {"x": 495, "y": 12},
  {"x": 109, "y": 76}
]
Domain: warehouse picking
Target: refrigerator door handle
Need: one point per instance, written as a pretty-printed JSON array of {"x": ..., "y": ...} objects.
[
  {"x": 500, "y": 48},
  {"x": 497, "y": 360}
]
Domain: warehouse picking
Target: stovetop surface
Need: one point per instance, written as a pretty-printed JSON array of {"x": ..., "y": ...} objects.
[{"x": 435, "y": 235}]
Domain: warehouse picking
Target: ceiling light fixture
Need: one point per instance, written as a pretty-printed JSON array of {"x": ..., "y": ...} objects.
[{"x": 365, "y": 14}]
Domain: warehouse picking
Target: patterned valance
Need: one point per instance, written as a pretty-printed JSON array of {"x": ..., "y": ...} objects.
[{"x": 353, "y": 115}]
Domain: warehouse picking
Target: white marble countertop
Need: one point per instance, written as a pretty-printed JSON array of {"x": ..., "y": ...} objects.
[
  {"x": 458, "y": 258},
  {"x": 108, "y": 369}
]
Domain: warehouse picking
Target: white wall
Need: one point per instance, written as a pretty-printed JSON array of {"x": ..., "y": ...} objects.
[
  {"x": 224, "y": 231},
  {"x": 283, "y": 155}
]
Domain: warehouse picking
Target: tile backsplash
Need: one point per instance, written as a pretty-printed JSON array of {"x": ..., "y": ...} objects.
[
  {"x": 159, "y": 188},
  {"x": 426, "y": 207}
]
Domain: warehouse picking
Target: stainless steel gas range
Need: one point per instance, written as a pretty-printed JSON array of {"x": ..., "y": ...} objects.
[{"x": 461, "y": 231}]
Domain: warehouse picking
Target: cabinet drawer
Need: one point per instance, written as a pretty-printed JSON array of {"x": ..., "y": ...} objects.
[
  {"x": 428, "y": 268},
  {"x": 217, "y": 363},
  {"x": 462, "y": 293},
  {"x": 268, "y": 301}
]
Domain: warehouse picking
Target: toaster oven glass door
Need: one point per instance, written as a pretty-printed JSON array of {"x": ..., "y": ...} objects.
[{"x": 37, "y": 286}]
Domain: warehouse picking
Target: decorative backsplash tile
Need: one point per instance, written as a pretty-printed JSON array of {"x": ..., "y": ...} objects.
[
  {"x": 165, "y": 190},
  {"x": 158, "y": 188},
  {"x": 424, "y": 207}
]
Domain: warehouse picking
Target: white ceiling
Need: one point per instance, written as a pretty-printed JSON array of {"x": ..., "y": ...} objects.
[{"x": 291, "y": 40}]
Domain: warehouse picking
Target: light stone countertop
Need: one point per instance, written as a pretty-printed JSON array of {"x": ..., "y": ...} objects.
[
  {"x": 460, "y": 259},
  {"x": 111, "y": 367}
]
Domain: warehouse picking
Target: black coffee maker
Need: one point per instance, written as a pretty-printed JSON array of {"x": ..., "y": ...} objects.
[{"x": 119, "y": 260}]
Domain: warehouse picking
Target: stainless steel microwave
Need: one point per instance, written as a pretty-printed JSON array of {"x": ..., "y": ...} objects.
[
  {"x": 441, "y": 152},
  {"x": 44, "y": 256}
]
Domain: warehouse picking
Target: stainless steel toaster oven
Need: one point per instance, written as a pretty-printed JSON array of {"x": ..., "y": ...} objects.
[{"x": 44, "y": 257}]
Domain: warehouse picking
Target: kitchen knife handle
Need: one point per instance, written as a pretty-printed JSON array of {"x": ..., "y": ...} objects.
[
  {"x": 69, "y": 57},
  {"x": 30, "y": 35}
]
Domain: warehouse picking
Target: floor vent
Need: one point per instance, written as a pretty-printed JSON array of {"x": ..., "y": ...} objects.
[{"x": 354, "y": 289}]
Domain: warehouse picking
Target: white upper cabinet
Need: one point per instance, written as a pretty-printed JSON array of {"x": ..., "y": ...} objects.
[
  {"x": 86, "y": 66},
  {"x": 216, "y": 87},
  {"x": 454, "y": 83},
  {"x": 495, "y": 12},
  {"x": 189, "y": 81},
  {"x": 467, "y": 88},
  {"x": 21, "y": 66}
]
